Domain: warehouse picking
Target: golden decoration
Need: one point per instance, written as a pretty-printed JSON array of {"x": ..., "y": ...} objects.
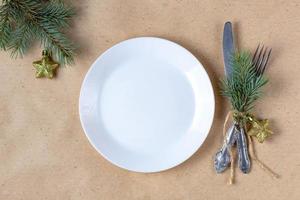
[
  {"x": 46, "y": 66},
  {"x": 259, "y": 129}
]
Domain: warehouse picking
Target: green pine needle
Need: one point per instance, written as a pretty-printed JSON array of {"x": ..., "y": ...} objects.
[
  {"x": 24, "y": 21},
  {"x": 243, "y": 87},
  {"x": 5, "y": 26}
]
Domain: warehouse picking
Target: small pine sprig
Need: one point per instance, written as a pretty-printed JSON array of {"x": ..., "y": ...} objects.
[
  {"x": 24, "y": 21},
  {"x": 244, "y": 85}
]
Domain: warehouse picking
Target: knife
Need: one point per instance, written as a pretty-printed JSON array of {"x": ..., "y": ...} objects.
[
  {"x": 228, "y": 48},
  {"x": 239, "y": 132},
  {"x": 235, "y": 134},
  {"x": 222, "y": 157}
]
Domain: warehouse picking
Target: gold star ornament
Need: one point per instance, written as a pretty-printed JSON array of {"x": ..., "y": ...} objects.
[
  {"x": 259, "y": 129},
  {"x": 46, "y": 66}
]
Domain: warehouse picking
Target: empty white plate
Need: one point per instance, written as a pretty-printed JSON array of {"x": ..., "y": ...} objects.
[{"x": 146, "y": 104}]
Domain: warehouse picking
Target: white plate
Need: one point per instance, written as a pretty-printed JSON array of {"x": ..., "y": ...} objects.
[{"x": 146, "y": 104}]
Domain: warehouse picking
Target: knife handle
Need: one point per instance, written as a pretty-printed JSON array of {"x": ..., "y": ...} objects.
[{"x": 222, "y": 157}]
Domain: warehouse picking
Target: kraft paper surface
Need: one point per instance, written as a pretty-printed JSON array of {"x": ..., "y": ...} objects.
[{"x": 44, "y": 153}]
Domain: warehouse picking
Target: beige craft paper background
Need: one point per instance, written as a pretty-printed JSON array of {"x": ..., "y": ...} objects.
[{"x": 44, "y": 153}]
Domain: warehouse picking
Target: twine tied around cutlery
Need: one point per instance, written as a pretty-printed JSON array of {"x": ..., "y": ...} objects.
[{"x": 250, "y": 119}]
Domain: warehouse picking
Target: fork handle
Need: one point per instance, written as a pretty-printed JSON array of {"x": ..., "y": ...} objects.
[{"x": 243, "y": 161}]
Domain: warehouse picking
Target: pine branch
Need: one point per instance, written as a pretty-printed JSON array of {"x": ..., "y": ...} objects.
[
  {"x": 57, "y": 14},
  {"x": 23, "y": 21},
  {"x": 243, "y": 88},
  {"x": 21, "y": 39},
  {"x": 60, "y": 46},
  {"x": 5, "y": 27}
]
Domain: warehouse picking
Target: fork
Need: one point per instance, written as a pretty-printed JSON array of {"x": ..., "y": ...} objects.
[
  {"x": 260, "y": 59},
  {"x": 236, "y": 134}
]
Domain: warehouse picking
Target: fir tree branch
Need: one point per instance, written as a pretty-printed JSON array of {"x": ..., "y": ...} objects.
[
  {"x": 5, "y": 27},
  {"x": 243, "y": 87},
  {"x": 21, "y": 39},
  {"x": 53, "y": 40},
  {"x": 57, "y": 14},
  {"x": 22, "y": 21}
]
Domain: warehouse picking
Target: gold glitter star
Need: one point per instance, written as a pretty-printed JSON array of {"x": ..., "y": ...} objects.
[
  {"x": 46, "y": 66},
  {"x": 260, "y": 129}
]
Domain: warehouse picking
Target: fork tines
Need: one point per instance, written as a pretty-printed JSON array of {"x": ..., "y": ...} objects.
[{"x": 260, "y": 59}]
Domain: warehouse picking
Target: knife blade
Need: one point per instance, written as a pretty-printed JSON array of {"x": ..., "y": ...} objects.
[{"x": 228, "y": 47}]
